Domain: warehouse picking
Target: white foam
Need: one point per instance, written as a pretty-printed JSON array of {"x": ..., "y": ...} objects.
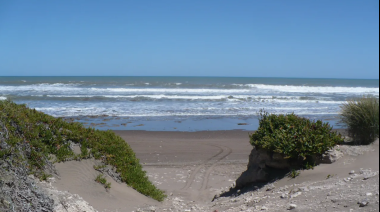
[
  {"x": 143, "y": 96},
  {"x": 65, "y": 88},
  {"x": 42, "y": 87},
  {"x": 146, "y": 101},
  {"x": 279, "y": 99},
  {"x": 88, "y": 111},
  {"x": 253, "y": 89},
  {"x": 316, "y": 89},
  {"x": 308, "y": 101},
  {"x": 170, "y": 90}
]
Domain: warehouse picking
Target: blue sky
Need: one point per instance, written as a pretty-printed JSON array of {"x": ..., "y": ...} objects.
[{"x": 253, "y": 38}]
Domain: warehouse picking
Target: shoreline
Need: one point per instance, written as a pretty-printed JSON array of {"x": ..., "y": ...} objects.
[{"x": 177, "y": 124}]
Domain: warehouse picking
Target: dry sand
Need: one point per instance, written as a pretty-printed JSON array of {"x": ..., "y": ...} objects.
[
  {"x": 193, "y": 167},
  {"x": 78, "y": 177}
]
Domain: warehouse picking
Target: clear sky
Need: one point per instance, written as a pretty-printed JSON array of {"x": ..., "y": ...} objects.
[{"x": 253, "y": 38}]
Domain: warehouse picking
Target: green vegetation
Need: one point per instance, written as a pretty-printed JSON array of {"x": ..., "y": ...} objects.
[
  {"x": 309, "y": 165},
  {"x": 99, "y": 167},
  {"x": 45, "y": 176},
  {"x": 293, "y": 136},
  {"x": 102, "y": 180},
  {"x": 294, "y": 174},
  {"x": 299, "y": 140},
  {"x": 46, "y": 136},
  {"x": 362, "y": 119}
]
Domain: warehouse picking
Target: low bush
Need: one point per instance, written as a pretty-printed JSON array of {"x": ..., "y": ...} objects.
[
  {"x": 294, "y": 137},
  {"x": 294, "y": 174},
  {"x": 102, "y": 180},
  {"x": 45, "y": 136},
  {"x": 362, "y": 119}
]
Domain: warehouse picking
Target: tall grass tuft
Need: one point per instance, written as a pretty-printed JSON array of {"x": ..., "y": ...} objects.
[{"x": 362, "y": 119}]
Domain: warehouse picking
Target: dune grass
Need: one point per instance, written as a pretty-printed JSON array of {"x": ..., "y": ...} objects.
[
  {"x": 362, "y": 119},
  {"x": 47, "y": 136},
  {"x": 102, "y": 180}
]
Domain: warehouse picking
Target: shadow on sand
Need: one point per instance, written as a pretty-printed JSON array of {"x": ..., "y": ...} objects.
[{"x": 274, "y": 175}]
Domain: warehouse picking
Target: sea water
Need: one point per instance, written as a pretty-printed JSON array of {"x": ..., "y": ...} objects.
[{"x": 183, "y": 103}]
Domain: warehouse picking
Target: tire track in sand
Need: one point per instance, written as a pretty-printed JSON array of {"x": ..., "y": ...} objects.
[
  {"x": 193, "y": 175},
  {"x": 206, "y": 178}
]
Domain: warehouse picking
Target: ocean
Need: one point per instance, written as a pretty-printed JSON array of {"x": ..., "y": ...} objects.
[{"x": 183, "y": 103}]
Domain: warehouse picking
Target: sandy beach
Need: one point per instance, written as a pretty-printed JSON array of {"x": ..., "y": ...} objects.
[
  {"x": 191, "y": 164},
  {"x": 193, "y": 167},
  {"x": 189, "y": 106},
  {"x": 188, "y": 164}
]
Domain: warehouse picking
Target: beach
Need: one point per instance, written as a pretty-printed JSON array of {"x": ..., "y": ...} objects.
[
  {"x": 169, "y": 158},
  {"x": 193, "y": 167},
  {"x": 191, "y": 136},
  {"x": 189, "y": 106}
]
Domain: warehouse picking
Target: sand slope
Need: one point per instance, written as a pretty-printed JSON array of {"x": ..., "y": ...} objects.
[{"x": 78, "y": 177}]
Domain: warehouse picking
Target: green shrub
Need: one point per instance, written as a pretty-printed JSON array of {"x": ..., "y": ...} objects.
[
  {"x": 46, "y": 136},
  {"x": 102, "y": 180},
  {"x": 293, "y": 136},
  {"x": 294, "y": 174},
  {"x": 362, "y": 119}
]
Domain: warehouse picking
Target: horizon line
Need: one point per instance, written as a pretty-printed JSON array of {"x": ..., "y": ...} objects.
[{"x": 193, "y": 77}]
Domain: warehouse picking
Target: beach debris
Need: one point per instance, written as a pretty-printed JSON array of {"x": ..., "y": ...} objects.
[
  {"x": 348, "y": 179},
  {"x": 297, "y": 194},
  {"x": 352, "y": 172},
  {"x": 292, "y": 207},
  {"x": 363, "y": 203},
  {"x": 270, "y": 187},
  {"x": 284, "y": 196},
  {"x": 331, "y": 156},
  {"x": 304, "y": 189}
]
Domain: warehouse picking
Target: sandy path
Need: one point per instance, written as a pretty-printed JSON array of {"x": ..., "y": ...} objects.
[
  {"x": 190, "y": 165},
  {"x": 186, "y": 164}
]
